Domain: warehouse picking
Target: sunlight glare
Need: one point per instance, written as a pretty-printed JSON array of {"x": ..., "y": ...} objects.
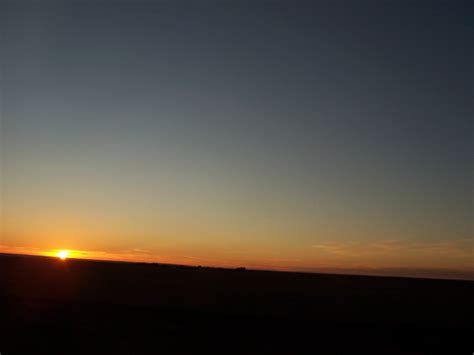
[{"x": 63, "y": 254}]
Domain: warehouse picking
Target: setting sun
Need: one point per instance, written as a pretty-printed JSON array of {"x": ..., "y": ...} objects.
[{"x": 63, "y": 254}]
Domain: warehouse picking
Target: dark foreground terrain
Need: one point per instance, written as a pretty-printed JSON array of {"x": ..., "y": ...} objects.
[{"x": 87, "y": 307}]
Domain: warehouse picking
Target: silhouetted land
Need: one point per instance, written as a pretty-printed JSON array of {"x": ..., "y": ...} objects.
[{"x": 88, "y": 307}]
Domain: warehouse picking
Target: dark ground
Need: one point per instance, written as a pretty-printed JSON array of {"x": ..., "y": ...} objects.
[{"x": 86, "y": 307}]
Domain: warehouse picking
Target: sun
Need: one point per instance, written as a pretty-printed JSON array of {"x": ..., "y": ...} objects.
[{"x": 63, "y": 254}]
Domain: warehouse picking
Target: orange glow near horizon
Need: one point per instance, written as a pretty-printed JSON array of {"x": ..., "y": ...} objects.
[{"x": 343, "y": 260}]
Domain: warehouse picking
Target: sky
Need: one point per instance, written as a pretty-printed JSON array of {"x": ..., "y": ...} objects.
[{"x": 319, "y": 136}]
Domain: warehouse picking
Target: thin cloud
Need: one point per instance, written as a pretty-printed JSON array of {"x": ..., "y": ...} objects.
[{"x": 456, "y": 249}]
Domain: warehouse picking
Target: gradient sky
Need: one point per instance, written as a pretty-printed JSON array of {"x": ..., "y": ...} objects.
[{"x": 294, "y": 135}]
